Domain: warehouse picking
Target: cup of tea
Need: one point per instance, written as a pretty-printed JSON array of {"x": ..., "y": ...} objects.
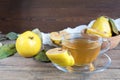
[{"x": 84, "y": 48}]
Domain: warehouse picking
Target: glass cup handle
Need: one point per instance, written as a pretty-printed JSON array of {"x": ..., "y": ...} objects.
[{"x": 105, "y": 46}]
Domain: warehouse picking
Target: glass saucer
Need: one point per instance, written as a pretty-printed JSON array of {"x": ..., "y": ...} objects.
[{"x": 100, "y": 64}]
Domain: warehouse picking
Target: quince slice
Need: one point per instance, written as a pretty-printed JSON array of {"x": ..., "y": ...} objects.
[
  {"x": 56, "y": 37},
  {"x": 97, "y": 33},
  {"x": 60, "y": 56}
]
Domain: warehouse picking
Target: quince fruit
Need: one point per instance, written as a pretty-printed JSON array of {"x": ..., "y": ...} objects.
[
  {"x": 28, "y": 44},
  {"x": 101, "y": 27}
]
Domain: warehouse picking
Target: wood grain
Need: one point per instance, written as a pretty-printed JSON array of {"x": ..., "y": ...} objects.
[{"x": 53, "y": 15}]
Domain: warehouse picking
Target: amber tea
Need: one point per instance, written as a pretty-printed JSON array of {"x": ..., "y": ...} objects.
[{"x": 84, "y": 51}]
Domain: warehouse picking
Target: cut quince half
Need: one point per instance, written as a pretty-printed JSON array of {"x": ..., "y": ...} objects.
[
  {"x": 97, "y": 33},
  {"x": 60, "y": 57},
  {"x": 56, "y": 37},
  {"x": 101, "y": 25}
]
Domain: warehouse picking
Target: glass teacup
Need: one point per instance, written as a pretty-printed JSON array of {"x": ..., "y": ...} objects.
[
  {"x": 84, "y": 47},
  {"x": 88, "y": 52}
]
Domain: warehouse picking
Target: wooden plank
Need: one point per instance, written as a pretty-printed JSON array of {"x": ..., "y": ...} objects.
[
  {"x": 55, "y": 75},
  {"x": 59, "y": 3},
  {"x": 19, "y": 15}
]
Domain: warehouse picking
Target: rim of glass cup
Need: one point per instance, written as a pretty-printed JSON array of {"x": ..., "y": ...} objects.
[{"x": 82, "y": 36}]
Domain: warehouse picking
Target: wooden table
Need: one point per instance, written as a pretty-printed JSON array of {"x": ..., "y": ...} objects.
[{"x": 19, "y": 68}]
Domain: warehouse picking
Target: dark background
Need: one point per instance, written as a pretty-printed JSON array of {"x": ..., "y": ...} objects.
[{"x": 53, "y": 15}]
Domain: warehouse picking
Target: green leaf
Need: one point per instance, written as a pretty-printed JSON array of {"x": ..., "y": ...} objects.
[
  {"x": 7, "y": 50},
  {"x": 41, "y": 56},
  {"x": 12, "y": 35},
  {"x": 113, "y": 27}
]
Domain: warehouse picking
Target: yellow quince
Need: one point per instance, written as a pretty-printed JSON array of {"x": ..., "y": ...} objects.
[
  {"x": 101, "y": 27},
  {"x": 28, "y": 44}
]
